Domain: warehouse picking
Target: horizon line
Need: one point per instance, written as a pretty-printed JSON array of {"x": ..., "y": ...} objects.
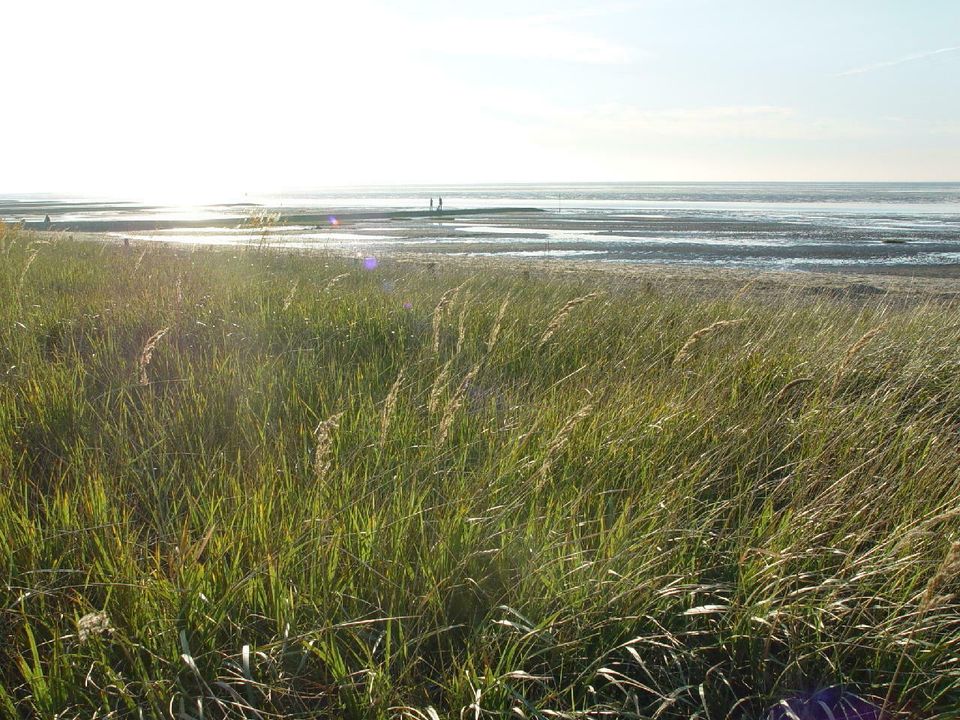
[{"x": 454, "y": 184}]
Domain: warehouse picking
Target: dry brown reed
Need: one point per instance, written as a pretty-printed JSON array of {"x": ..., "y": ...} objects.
[
  {"x": 852, "y": 352},
  {"x": 700, "y": 334},
  {"x": 323, "y": 436},
  {"x": 561, "y": 316},
  {"x": 146, "y": 354}
]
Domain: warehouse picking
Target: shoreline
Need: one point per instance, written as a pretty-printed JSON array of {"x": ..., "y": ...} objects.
[
  {"x": 690, "y": 241},
  {"x": 320, "y": 219},
  {"x": 940, "y": 283}
]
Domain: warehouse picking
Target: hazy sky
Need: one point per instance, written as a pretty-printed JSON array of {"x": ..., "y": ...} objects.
[{"x": 178, "y": 98}]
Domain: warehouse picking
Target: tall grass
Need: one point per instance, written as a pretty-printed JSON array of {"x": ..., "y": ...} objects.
[{"x": 380, "y": 493}]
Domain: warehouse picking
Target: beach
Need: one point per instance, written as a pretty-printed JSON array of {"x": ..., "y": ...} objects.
[{"x": 907, "y": 230}]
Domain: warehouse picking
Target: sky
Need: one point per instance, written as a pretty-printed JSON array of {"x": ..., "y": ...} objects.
[{"x": 184, "y": 98}]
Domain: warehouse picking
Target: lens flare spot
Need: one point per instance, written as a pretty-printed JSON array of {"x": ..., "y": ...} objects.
[
  {"x": 333, "y": 220},
  {"x": 370, "y": 263}
]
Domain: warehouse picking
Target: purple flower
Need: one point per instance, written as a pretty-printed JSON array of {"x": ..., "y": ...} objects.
[
  {"x": 408, "y": 306},
  {"x": 833, "y": 703}
]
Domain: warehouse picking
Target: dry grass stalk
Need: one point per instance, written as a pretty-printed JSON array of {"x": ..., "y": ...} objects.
[
  {"x": 439, "y": 383},
  {"x": 136, "y": 265},
  {"x": 785, "y": 390},
  {"x": 561, "y": 316},
  {"x": 684, "y": 352},
  {"x": 146, "y": 355},
  {"x": 389, "y": 405},
  {"x": 333, "y": 281},
  {"x": 180, "y": 289},
  {"x": 561, "y": 439},
  {"x": 745, "y": 289},
  {"x": 929, "y": 600},
  {"x": 852, "y": 352},
  {"x": 323, "y": 435},
  {"x": 26, "y": 267},
  {"x": 456, "y": 402},
  {"x": 462, "y": 323},
  {"x": 438, "y": 313},
  {"x": 949, "y": 568},
  {"x": 495, "y": 331},
  {"x": 288, "y": 301}
]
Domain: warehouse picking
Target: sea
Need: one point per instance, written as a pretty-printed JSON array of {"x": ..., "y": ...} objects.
[{"x": 848, "y": 227}]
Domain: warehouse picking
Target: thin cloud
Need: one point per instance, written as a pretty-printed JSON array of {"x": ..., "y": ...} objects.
[{"x": 898, "y": 61}]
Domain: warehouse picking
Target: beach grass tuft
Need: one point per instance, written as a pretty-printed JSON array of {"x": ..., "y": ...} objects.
[{"x": 435, "y": 495}]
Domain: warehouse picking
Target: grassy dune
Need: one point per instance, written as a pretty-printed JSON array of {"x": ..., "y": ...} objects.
[{"x": 238, "y": 483}]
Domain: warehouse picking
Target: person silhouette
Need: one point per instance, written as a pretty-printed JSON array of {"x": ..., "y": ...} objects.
[
  {"x": 439, "y": 204},
  {"x": 431, "y": 204}
]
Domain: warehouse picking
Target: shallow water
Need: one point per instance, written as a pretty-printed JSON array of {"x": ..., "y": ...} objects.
[{"x": 800, "y": 226}]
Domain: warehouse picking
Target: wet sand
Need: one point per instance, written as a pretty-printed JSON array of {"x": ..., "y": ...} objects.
[{"x": 902, "y": 286}]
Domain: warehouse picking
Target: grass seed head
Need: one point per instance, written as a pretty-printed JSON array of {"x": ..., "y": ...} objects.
[
  {"x": 136, "y": 265},
  {"x": 948, "y": 570},
  {"x": 561, "y": 316},
  {"x": 389, "y": 405},
  {"x": 456, "y": 402},
  {"x": 323, "y": 436},
  {"x": 438, "y": 385},
  {"x": 785, "y": 390},
  {"x": 333, "y": 281},
  {"x": 146, "y": 354},
  {"x": 26, "y": 267},
  {"x": 561, "y": 439},
  {"x": 852, "y": 352},
  {"x": 438, "y": 313},
  {"x": 495, "y": 330},
  {"x": 688, "y": 346},
  {"x": 288, "y": 301}
]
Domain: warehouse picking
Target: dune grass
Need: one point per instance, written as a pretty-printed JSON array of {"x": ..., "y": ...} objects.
[{"x": 242, "y": 483}]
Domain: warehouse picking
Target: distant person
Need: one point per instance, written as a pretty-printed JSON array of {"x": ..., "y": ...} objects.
[
  {"x": 431, "y": 204},
  {"x": 439, "y": 204},
  {"x": 46, "y": 221}
]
